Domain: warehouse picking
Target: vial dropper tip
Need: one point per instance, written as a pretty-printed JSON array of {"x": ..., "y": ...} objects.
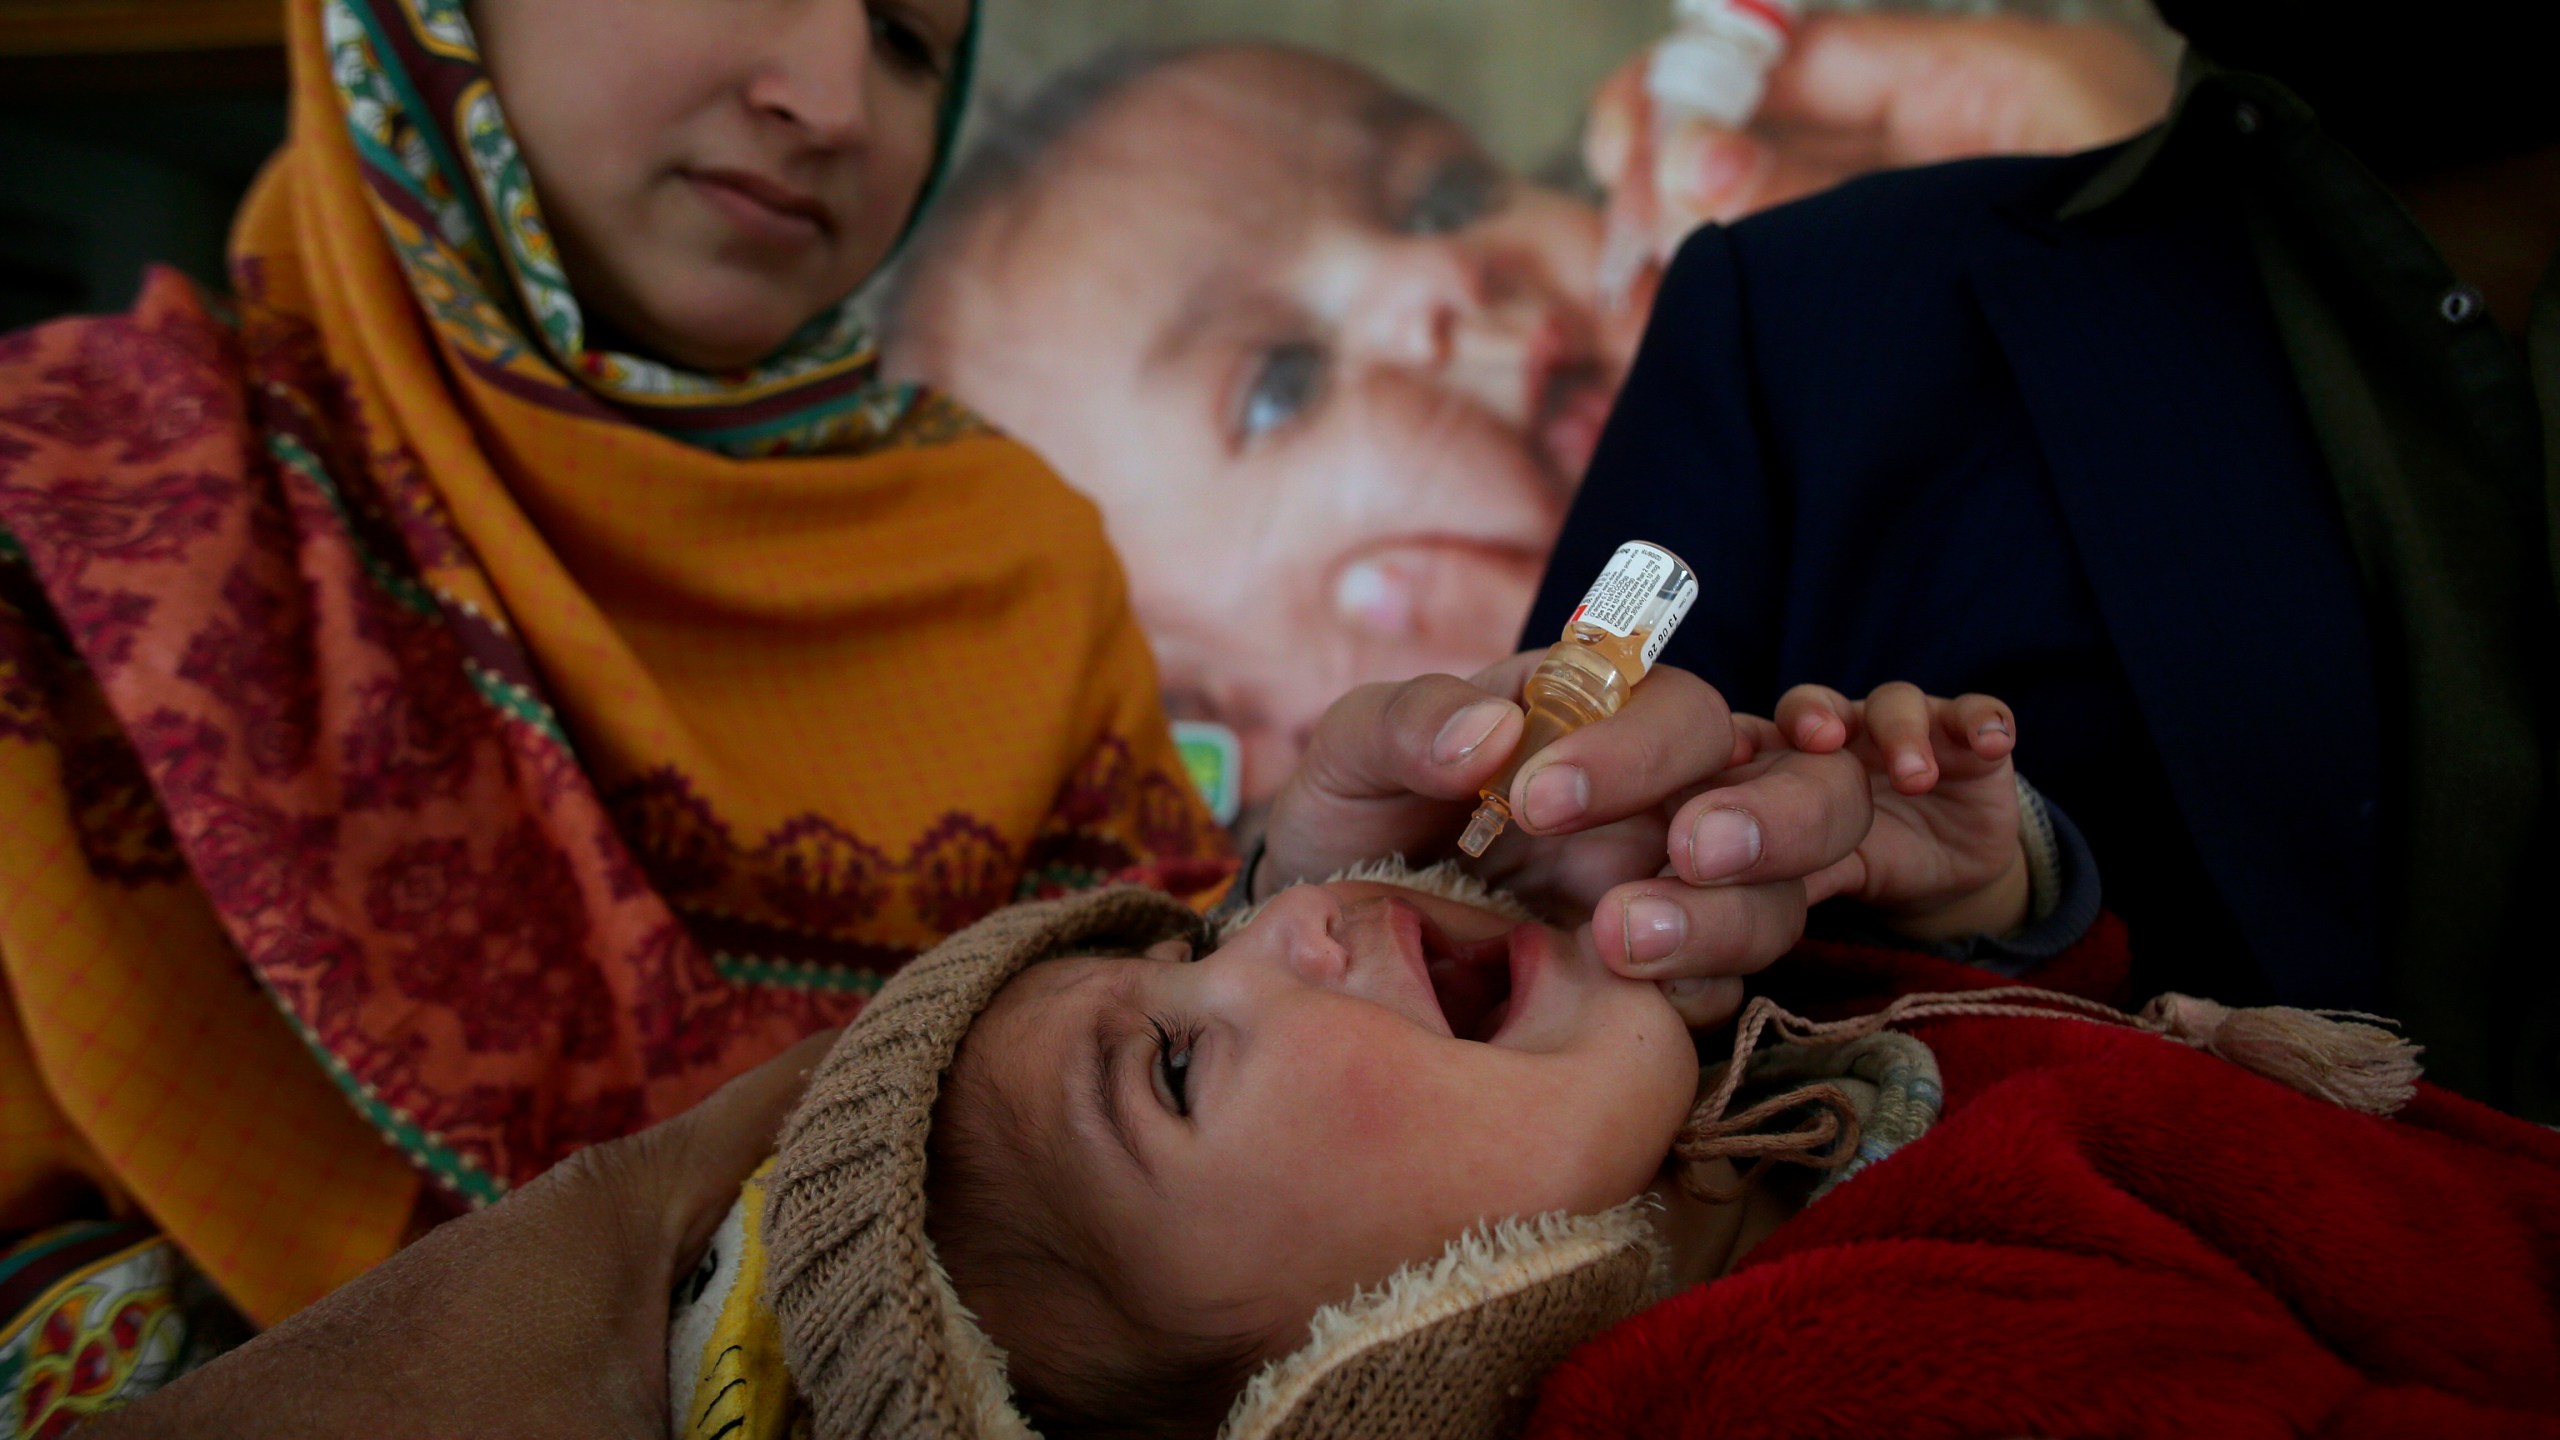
[{"x": 1482, "y": 830}]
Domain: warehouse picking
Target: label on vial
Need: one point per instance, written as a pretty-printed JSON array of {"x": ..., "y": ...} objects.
[{"x": 1643, "y": 588}]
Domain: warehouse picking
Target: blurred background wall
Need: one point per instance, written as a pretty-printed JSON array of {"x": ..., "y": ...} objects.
[
  {"x": 130, "y": 128},
  {"x": 1517, "y": 71}
]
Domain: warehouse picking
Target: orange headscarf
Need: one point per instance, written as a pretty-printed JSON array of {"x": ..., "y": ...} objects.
[{"x": 363, "y": 662}]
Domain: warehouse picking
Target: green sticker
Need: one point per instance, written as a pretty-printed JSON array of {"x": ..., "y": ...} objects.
[{"x": 1215, "y": 758}]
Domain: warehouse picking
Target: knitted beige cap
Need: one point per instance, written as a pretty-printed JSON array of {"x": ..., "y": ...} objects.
[{"x": 882, "y": 1349}]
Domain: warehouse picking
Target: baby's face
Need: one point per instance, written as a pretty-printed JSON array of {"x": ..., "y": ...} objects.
[
  {"x": 1331, "y": 373},
  {"x": 718, "y": 172},
  {"x": 1354, "y": 1080}
]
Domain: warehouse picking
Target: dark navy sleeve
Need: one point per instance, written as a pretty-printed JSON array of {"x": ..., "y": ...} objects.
[{"x": 1681, "y": 464}]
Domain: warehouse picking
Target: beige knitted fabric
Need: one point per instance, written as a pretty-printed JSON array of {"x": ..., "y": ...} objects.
[
  {"x": 882, "y": 1348},
  {"x": 1454, "y": 1350},
  {"x": 872, "y": 1331}
]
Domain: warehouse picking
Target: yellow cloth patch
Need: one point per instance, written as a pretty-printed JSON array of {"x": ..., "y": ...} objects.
[{"x": 724, "y": 1348}]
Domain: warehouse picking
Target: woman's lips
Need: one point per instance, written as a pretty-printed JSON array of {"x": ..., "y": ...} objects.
[{"x": 766, "y": 210}]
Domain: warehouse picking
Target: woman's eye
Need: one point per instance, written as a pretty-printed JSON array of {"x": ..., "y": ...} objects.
[
  {"x": 1461, "y": 192},
  {"x": 904, "y": 45},
  {"x": 1173, "y": 1064},
  {"x": 1283, "y": 386}
]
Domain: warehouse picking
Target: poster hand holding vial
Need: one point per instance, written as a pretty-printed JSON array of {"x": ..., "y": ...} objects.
[
  {"x": 1714, "y": 70},
  {"x": 1609, "y": 646}
]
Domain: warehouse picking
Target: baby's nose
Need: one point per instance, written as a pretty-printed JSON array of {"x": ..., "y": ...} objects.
[{"x": 1310, "y": 950}]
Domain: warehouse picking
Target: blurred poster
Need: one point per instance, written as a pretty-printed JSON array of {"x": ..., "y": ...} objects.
[{"x": 1325, "y": 302}]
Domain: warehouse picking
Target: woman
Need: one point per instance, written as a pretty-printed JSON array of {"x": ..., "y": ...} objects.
[{"x": 514, "y": 666}]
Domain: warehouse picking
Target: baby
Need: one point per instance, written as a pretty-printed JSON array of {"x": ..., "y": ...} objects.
[
  {"x": 1390, "y": 1156},
  {"x": 1150, "y": 1160}
]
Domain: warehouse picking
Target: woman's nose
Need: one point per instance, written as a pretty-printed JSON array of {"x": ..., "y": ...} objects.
[{"x": 811, "y": 76}]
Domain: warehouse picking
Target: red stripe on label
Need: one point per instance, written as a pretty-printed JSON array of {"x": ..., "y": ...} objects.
[
  {"x": 1777, "y": 19},
  {"x": 1578, "y": 612}
]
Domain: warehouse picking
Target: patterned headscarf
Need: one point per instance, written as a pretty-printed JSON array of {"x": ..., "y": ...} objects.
[{"x": 460, "y": 208}]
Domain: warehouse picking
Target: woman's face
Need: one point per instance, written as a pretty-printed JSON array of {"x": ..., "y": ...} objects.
[
  {"x": 718, "y": 172},
  {"x": 1330, "y": 372}
]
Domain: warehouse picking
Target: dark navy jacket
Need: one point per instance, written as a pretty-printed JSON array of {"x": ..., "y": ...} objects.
[{"x": 1918, "y": 429}]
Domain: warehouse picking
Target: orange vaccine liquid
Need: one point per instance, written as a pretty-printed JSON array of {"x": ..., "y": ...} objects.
[{"x": 1609, "y": 646}]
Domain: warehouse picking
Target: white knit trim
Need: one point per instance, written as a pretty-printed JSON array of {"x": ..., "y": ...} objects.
[
  {"x": 1485, "y": 1264},
  {"x": 1445, "y": 880}
]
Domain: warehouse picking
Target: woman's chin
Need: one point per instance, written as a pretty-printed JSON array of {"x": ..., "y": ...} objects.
[{"x": 710, "y": 334}]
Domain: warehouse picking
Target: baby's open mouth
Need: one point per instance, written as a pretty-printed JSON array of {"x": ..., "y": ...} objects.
[{"x": 1471, "y": 980}]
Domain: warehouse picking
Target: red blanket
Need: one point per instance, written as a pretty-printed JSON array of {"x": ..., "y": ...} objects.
[{"x": 2112, "y": 1234}]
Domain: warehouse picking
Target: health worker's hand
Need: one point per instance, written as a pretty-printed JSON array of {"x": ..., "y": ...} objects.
[
  {"x": 1687, "y": 885},
  {"x": 1864, "y": 92},
  {"x": 544, "y": 1315}
]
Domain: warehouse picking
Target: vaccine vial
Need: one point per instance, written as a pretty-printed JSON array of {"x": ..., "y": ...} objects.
[
  {"x": 1716, "y": 64},
  {"x": 1609, "y": 646}
]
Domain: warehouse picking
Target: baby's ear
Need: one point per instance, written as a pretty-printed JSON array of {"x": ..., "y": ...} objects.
[{"x": 1172, "y": 951}]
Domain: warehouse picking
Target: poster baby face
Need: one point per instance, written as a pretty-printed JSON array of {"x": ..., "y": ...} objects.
[{"x": 1332, "y": 368}]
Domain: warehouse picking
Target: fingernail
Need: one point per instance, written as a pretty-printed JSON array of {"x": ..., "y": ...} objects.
[
  {"x": 1910, "y": 767},
  {"x": 1723, "y": 843},
  {"x": 1465, "y": 732},
  {"x": 1556, "y": 796},
  {"x": 1993, "y": 726},
  {"x": 1808, "y": 728},
  {"x": 1681, "y": 992},
  {"x": 1655, "y": 928}
]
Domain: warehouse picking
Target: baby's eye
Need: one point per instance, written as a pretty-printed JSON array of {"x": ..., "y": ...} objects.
[
  {"x": 1461, "y": 192},
  {"x": 1173, "y": 1064},
  {"x": 1283, "y": 385},
  {"x": 904, "y": 46}
]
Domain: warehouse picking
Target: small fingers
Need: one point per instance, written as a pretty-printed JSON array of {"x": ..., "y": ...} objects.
[
  {"x": 1799, "y": 815},
  {"x": 1900, "y": 724},
  {"x": 1817, "y": 718},
  {"x": 1754, "y": 737},
  {"x": 1979, "y": 726}
]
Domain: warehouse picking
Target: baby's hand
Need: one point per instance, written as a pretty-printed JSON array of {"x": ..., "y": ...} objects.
[{"x": 1943, "y": 860}]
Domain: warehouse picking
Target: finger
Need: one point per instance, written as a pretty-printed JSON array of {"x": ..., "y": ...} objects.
[
  {"x": 1674, "y": 732},
  {"x": 1705, "y": 1003},
  {"x": 1436, "y": 736},
  {"x": 1663, "y": 930},
  {"x": 1704, "y": 172},
  {"x": 1976, "y": 727},
  {"x": 1816, "y": 718},
  {"x": 1846, "y": 73},
  {"x": 1903, "y": 730},
  {"x": 1846, "y": 876},
  {"x": 1941, "y": 87},
  {"x": 1754, "y": 737},
  {"x": 1802, "y": 813},
  {"x": 1621, "y": 117}
]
